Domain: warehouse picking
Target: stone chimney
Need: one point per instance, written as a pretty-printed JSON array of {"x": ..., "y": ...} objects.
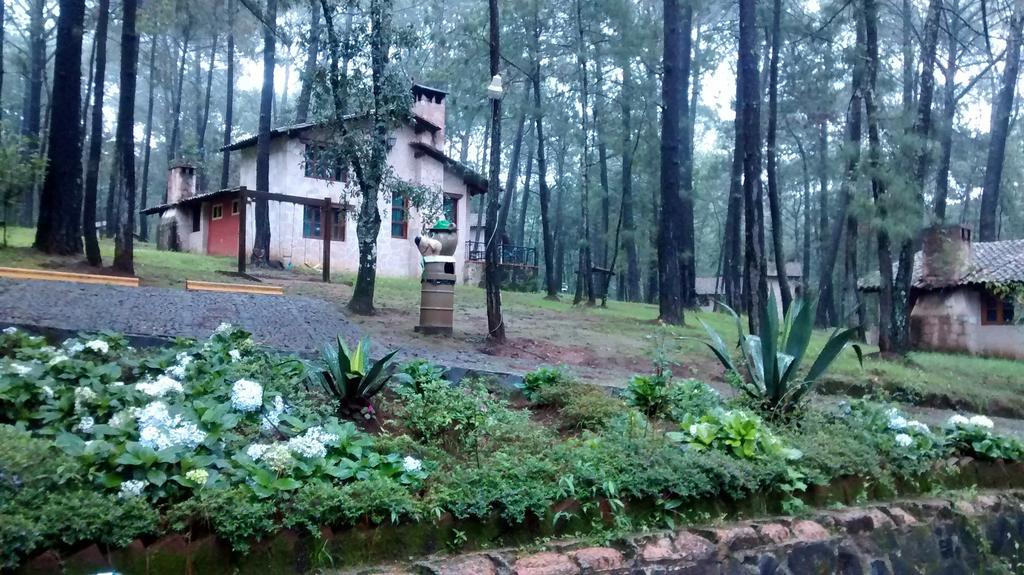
[
  {"x": 948, "y": 256},
  {"x": 428, "y": 104},
  {"x": 181, "y": 182}
]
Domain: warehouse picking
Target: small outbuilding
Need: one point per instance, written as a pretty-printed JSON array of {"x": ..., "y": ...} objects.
[{"x": 965, "y": 295}]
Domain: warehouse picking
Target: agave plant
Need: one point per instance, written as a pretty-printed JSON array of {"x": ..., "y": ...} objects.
[
  {"x": 773, "y": 361},
  {"x": 349, "y": 377}
]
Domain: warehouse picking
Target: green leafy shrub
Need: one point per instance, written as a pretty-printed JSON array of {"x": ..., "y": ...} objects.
[
  {"x": 651, "y": 394},
  {"x": 693, "y": 398},
  {"x": 589, "y": 407},
  {"x": 735, "y": 431},
  {"x": 539, "y": 384},
  {"x": 973, "y": 437},
  {"x": 772, "y": 360}
]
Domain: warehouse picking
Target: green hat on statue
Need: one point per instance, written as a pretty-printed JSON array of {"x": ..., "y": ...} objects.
[{"x": 443, "y": 225}]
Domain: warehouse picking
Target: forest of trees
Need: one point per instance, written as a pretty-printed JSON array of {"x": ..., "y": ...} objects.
[{"x": 646, "y": 142}]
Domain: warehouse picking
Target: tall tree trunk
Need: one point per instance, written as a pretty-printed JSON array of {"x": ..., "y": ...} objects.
[
  {"x": 732, "y": 262},
  {"x": 32, "y": 105},
  {"x": 687, "y": 235},
  {"x": 632, "y": 278},
  {"x": 261, "y": 237},
  {"x": 229, "y": 105},
  {"x": 948, "y": 113},
  {"x": 205, "y": 121},
  {"x": 512, "y": 178},
  {"x": 585, "y": 277},
  {"x": 2, "y": 30},
  {"x": 550, "y": 277},
  {"x": 92, "y": 165},
  {"x": 988, "y": 227},
  {"x": 492, "y": 270},
  {"x": 559, "y": 216},
  {"x": 519, "y": 234},
  {"x": 309, "y": 71},
  {"x": 59, "y": 228},
  {"x": 806, "y": 236},
  {"x": 823, "y": 182},
  {"x": 186, "y": 34},
  {"x": 673, "y": 98},
  {"x": 147, "y": 142},
  {"x": 772, "y": 167},
  {"x": 755, "y": 275},
  {"x": 602, "y": 171},
  {"x": 124, "y": 241}
]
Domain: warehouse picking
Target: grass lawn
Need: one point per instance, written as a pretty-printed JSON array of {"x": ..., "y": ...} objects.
[{"x": 604, "y": 345}]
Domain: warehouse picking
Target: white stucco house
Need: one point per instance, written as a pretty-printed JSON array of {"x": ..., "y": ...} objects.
[{"x": 207, "y": 222}]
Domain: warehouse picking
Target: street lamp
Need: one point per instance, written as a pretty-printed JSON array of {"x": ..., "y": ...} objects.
[{"x": 494, "y": 90}]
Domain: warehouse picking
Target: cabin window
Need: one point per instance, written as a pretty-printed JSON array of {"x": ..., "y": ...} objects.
[
  {"x": 996, "y": 310},
  {"x": 321, "y": 163},
  {"x": 197, "y": 218},
  {"x": 218, "y": 211},
  {"x": 451, "y": 209},
  {"x": 399, "y": 215},
  {"x": 312, "y": 228},
  {"x": 234, "y": 207}
]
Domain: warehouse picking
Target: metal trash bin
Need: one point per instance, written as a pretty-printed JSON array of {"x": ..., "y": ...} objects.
[{"x": 437, "y": 292}]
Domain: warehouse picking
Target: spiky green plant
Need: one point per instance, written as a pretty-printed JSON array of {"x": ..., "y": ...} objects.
[
  {"x": 349, "y": 377},
  {"x": 773, "y": 361}
]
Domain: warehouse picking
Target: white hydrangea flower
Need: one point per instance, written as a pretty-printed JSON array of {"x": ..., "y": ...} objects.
[
  {"x": 256, "y": 451},
  {"x": 224, "y": 327},
  {"x": 273, "y": 416},
  {"x": 98, "y": 346},
  {"x": 235, "y": 355},
  {"x": 410, "y": 464},
  {"x": 10, "y": 330},
  {"x": 57, "y": 359},
  {"x": 132, "y": 488},
  {"x": 117, "y": 384},
  {"x": 83, "y": 395},
  {"x": 958, "y": 420},
  {"x": 278, "y": 457},
  {"x": 198, "y": 476},
  {"x": 86, "y": 424},
  {"x": 981, "y": 421},
  {"x": 917, "y": 426},
  {"x": 161, "y": 387},
  {"x": 904, "y": 440},
  {"x": 48, "y": 391},
  {"x": 246, "y": 395},
  {"x": 159, "y": 430},
  {"x": 177, "y": 371},
  {"x": 120, "y": 418},
  {"x": 21, "y": 369},
  {"x": 307, "y": 447},
  {"x": 897, "y": 423},
  {"x": 317, "y": 433}
]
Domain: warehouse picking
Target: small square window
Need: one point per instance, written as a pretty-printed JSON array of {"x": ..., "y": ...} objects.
[
  {"x": 311, "y": 227},
  {"x": 234, "y": 207},
  {"x": 399, "y": 215},
  {"x": 218, "y": 211}
]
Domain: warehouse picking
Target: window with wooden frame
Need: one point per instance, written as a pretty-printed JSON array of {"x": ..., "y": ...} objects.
[
  {"x": 234, "y": 207},
  {"x": 312, "y": 227},
  {"x": 321, "y": 163},
  {"x": 451, "y": 209},
  {"x": 399, "y": 215},
  {"x": 996, "y": 310},
  {"x": 217, "y": 212}
]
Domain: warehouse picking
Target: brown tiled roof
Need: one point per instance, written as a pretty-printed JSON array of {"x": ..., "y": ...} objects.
[{"x": 992, "y": 262}]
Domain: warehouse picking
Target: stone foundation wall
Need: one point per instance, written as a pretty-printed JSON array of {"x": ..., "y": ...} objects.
[{"x": 985, "y": 534}]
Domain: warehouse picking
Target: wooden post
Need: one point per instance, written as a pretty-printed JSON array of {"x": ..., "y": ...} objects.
[
  {"x": 326, "y": 220},
  {"x": 241, "y": 229}
]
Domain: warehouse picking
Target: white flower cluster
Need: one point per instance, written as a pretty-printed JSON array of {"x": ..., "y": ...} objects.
[
  {"x": 904, "y": 440},
  {"x": 312, "y": 444},
  {"x": 275, "y": 455},
  {"x": 161, "y": 387},
  {"x": 902, "y": 425},
  {"x": 60, "y": 357},
  {"x": 235, "y": 355},
  {"x": 131, "y": 488},
  {"x": 273, "y": 416},
  {"x": 159, "y": 430},
  {"x": 410, "y": 464},
  {"x": 124, "y": 416},
  {"x": 224, "y": 327},
  {"x": 198, "y": 476},
  {"x": 98, "y": 346},
  {"x": 19, "y": 368},
  {"x": 10, "y": 330},
  {"x": 48, "y": 391},
  {"x": 177, "y": 371},
  {"x": 85, "y": 424},
  {"x": 976, "y": 421},
  {"x": 83, "y": 395},
  {"x": 73, "y": 346},
  {"x": 246, "y": 395}
]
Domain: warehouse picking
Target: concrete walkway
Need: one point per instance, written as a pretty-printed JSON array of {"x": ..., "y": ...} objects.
[{"x": 287, "y": 323}]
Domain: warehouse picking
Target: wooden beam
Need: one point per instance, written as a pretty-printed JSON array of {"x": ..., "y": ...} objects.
[
  {"x": 242, "y": 196},
  {"x": 275, "y": 197},
  {"x": 326, "y": 220},
  {"x": 48, "y": 275},
  {"x": 194, "y": 285}
]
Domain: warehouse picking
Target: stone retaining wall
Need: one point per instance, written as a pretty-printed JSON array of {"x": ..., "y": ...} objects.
[{"x": 985, "y": 534}]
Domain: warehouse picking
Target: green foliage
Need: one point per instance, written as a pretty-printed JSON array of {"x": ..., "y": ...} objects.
[
  {"x": 735, "y": 431},
  {"x": 539, "y": 383},
  {"x": 773, "y": 359},
  {"x": 973, "y": 438},
  {"x": 589, "y": 407},
  {"x": 18, "y": 172},
  {"x": 349, "y": 377},
  {"x": 651, "y": 394}
]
